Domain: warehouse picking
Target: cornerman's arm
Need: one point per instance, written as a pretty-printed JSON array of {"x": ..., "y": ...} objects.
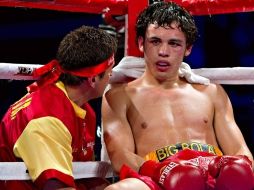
[{"x": 54, "y": 184}]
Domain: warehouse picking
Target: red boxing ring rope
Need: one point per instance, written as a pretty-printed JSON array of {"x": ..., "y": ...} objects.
[
  {"x": 131, "y": 8},
  {"x": 120, "y": 7}
]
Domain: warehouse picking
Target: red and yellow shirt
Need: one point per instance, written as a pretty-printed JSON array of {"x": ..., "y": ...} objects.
[{"x": 47, "y": 131}]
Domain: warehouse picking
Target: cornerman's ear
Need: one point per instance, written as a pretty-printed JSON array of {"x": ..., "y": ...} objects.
[
  {"x": 91, "y": 81},
  {"x": 141, "y": 44}
]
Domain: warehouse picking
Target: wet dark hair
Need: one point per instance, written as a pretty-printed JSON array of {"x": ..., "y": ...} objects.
[
  {"x": 164, "y": 14},
  {"x": 84, "y": 47}
]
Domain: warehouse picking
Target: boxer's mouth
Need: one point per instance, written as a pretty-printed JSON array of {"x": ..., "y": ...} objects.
[{"x": 162, "y": 66}]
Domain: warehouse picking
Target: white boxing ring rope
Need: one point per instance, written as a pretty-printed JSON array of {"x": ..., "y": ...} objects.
[
  {"x": 133, "y": 67},
  {"x": 18, "y": 170},
  {"x": 15, "y": 71},
  {"x": 129, "y": 67}
]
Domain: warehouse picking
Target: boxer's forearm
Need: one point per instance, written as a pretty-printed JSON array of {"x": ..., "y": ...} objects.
[
  {"x": 248, "y": 154},
  {"x": 128, "y": 158}
]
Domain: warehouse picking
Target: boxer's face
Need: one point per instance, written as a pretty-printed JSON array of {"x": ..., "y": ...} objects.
[{"x": 164, "y": 49}]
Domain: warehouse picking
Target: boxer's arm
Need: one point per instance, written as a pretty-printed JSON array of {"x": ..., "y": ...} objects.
[
  {"x": 117, "y": 132},
  {"x": 228, "y": 134}
]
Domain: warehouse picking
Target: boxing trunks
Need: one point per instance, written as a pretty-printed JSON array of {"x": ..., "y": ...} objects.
[
  {"x": 193, "y": 166},
  {"x": 174, "y": 152}
]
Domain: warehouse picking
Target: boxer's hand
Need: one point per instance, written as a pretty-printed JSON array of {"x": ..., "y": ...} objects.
[
  {"x": 232, "y": 172},
  {"x": 175, "y": 175}
]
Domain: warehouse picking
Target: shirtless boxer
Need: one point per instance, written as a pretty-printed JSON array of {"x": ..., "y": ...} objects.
[{"x": 159, "y": 126}]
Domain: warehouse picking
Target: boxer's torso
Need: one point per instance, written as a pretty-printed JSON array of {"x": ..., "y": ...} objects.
[{"x": 160, "y": 116}]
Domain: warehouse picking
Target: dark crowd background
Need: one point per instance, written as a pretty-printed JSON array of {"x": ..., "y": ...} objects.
[{"x": 31, "y": 36}]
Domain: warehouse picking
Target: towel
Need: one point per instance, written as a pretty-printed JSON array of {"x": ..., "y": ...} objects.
[{"x": 134, "y": 67}]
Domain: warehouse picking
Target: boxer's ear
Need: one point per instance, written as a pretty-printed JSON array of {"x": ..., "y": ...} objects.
[
  {"x": 141, "y": 44},
  {"x": 188, "y": 51}
]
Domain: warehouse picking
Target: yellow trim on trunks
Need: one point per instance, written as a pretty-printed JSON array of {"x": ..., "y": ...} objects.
[{"x": 167, "y": 151}]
